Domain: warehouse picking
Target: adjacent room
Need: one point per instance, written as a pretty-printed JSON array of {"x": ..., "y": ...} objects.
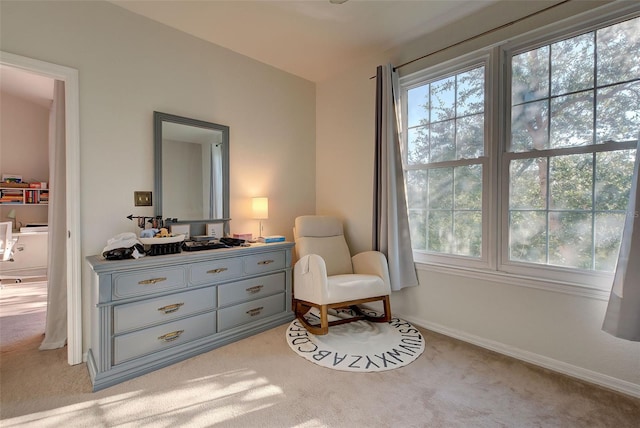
[{"x": 486, "y": 147}]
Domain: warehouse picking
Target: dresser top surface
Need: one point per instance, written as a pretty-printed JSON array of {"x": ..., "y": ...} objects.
[{"x": 99, "y": 264}]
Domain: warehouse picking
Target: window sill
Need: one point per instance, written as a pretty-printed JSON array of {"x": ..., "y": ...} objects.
[{"x": 519, "y": 280}]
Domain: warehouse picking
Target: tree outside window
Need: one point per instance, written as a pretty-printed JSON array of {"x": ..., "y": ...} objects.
[{"x": 572, "y": 125}]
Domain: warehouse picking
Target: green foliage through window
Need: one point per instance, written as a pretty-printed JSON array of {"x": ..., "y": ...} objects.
[{"x": 572, "y": 125}]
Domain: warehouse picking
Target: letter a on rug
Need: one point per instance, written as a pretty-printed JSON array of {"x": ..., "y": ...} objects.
[{"x": 359, "y": 346}]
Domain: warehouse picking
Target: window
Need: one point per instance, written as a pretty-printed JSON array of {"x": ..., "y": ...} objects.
[
  {"x": 570, "y": 114},
  {"x": 444, "y": 165}
]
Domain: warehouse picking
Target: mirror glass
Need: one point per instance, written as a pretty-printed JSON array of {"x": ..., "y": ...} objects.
[{"x": 191, "y": 168}]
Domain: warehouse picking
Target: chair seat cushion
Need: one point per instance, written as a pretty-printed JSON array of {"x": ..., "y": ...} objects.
[{"x": 343, "y": 288}]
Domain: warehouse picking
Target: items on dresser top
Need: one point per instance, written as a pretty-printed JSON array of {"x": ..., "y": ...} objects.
[{"x": 203, "y": 245}]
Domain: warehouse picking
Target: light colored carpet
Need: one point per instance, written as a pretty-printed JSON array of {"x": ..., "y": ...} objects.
[
  {"x": 22, "y": 311},
  {"x": 261, "y": 382}
]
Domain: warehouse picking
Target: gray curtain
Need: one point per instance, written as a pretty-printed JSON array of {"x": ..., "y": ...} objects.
[
  {"x": 390, "y": 221},
  {"x": 622, "y": 318},
  {"x": 55, "y": 335}
]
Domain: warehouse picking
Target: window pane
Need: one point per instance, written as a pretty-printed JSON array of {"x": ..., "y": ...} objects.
[
  {"x": 618, "y": 48},
  {"x": 416, "y": 186},
  {"x": 530, "y": 76},
  {"x": 417, "y": 146},
  {"x": 608, "y": 234},
  {"x": 443, "y": 94},
  {"x": 572, "y": 120},
  {"x": 618, "y": 112},
  {"x": 570, "y": 239},
  {"x": 528, "y": 179},
  {"x": 440, "y": 182},
  {"x": 468, "y": 187},
  {"x": 418, "y": 228},
  {"x": 418, "y": 106},
  {"x": 443, "y": 146},
  {"x": 440, "y": 237},
  {"x": 614, "y": 171},
  {"x": 529, "y": 127},
  {"x": 468, "y": 233},
  {"x": 571, "y": 182},
  {"x": 528, "y": 236},
  {"x": 417, "y": 207},
  {"x": 470, "y": 137},
  {"x": 470, "y": 92},
  {"x": 572, "y": 64}
]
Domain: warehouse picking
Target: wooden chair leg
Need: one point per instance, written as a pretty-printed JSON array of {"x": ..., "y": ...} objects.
[
  {"x": 385, "y": 317},
  {"x": 300, "y": 310},
  {"x": 387, "y": 308},
  {"x": 324, "y": 320}
]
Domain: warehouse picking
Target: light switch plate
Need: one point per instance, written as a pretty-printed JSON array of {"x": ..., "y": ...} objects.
[{"x": 142, "y": 199}]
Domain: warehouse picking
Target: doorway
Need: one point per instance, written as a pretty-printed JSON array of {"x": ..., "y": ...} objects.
[{"x": 73, "y": 255}]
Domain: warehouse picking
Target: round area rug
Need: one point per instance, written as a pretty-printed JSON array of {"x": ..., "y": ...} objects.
[{"x": 359, "y": 346}]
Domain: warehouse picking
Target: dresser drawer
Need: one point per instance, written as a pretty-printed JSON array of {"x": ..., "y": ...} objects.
[
  {"x": 243, "y": 313},
  {"x": 254, "y": 288},
  {"x": 139, "y": 343},
  {"x": 265, "y": 262},
  {"x": 148, "y": 281},
  {"x": 162, "y": 309},
  {"x": 215, "y": 271}
]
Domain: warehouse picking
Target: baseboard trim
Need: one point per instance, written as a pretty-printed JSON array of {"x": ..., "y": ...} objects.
[{"x": 599, "y": 379}]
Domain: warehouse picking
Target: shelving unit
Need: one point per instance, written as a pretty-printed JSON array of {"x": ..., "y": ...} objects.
[{"x": 23, "y": 196}]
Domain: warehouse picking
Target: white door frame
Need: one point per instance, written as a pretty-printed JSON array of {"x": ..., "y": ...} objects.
[{"x": 72, "y": 149}]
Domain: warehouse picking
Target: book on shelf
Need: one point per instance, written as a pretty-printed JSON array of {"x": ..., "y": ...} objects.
[
  {"x": 271, "y": 239},
  {"x": 11, "y": 196}
]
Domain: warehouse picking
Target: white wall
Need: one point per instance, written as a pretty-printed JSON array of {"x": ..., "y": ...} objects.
[
  {"x": 556, "y": 330},
  {"x": 24, "y": 150},
  {"x": 128, "y": 67}
]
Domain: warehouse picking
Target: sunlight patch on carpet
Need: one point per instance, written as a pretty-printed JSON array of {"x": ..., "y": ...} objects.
[{"x": 359, "y": 346}]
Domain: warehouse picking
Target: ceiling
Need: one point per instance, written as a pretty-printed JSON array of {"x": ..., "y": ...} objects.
[
  {"x": 313, "y": 39},
  {"x": 32, "y": 87}
]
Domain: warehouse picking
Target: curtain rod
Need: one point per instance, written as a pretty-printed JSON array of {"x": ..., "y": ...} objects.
[{"x": 477, "y": 36}]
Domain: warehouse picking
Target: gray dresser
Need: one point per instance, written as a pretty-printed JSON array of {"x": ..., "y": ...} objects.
[{"x": 154, "y": 311}]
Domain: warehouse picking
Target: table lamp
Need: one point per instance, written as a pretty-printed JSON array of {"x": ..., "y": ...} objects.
[
  {"x": 260, "y": 207},
  {"x": 12, "y": 216}
]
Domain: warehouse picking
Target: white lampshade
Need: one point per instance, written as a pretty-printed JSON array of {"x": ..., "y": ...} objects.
[
  {"x": 260, "y": 207},
  {"x": 12, "y": 214}
]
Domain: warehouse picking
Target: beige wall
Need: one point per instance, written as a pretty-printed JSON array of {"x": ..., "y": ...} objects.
[
  {"x": 24, "y": 150},
  {"x": 128, "y": 67},
  {"x": 553, "y": 329}
]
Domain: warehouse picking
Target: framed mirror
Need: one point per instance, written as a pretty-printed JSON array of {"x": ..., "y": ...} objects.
[{"x": 191, "y": 169}]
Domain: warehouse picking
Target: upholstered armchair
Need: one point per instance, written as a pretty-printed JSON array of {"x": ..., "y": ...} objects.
[{"x": 326, "y": 276}]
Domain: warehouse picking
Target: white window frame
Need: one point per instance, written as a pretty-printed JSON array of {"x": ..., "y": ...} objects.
[
  {"x": 450, "y": 68},
  {"x": 494, "y": 263}
]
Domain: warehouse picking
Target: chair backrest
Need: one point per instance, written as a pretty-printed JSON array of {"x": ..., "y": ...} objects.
[
  {"x": 6, "y": 240},
  {"x": 324, "y": 236}
]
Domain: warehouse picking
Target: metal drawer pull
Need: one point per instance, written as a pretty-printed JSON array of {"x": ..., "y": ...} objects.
[
  {"x": 254, "y": 312},
  {"x": 218, "y": 270},
  {"x": 171, "y": 336},
  {"x": 255, "y": 289},
  {"x": 266, "y": 262},
  {"x": 151, "y": 281},
  {"x": 170, "y": 308}
]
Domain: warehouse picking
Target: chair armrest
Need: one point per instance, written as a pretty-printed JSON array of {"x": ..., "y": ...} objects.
[
  {"x": 372, "y": 263},
  {"x": 310, "y": 279}
]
